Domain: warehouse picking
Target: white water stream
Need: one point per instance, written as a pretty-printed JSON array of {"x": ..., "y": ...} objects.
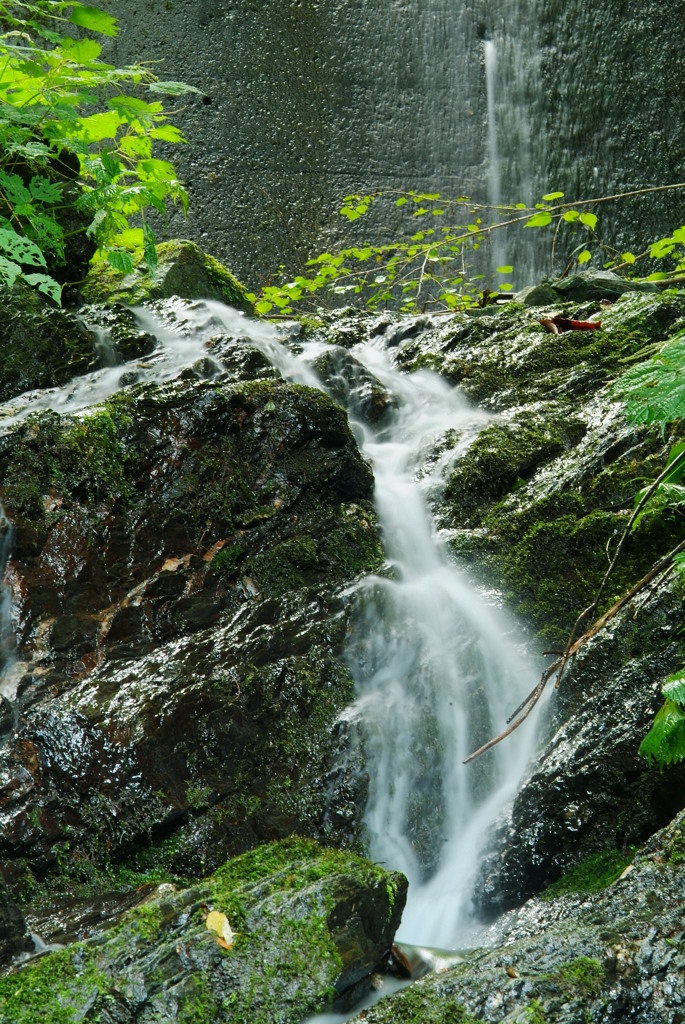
[{"x": 437, "y": 667}]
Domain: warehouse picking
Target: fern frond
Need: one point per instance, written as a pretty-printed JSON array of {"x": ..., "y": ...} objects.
[{"x": 665, "y": 741}]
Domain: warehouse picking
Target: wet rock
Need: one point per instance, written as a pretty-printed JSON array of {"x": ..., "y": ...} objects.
[
  {"x": 352, "y": 385},
  {"x": 587, "y": 286},
  {"x": 177, "y": 564},
  {"x": 121, "y": 332},
  {"x": 309, "y": 929},
  {"x": 14, "y": 937},
  {"x": 613, "y": 956},
  {"x": 43, "y": 345},
  {"x": 591, "y": 285},
  {"x": 589, "y": 791},
  {"x": 183, "y": 270}
]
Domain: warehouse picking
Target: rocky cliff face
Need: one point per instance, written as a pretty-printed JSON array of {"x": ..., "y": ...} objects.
[{"x": 179, "y": 562}]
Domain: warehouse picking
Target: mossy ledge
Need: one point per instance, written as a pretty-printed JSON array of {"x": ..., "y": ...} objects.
[
  {"x": 183, "y": 270},
  {"x": 310, "y": 925}
]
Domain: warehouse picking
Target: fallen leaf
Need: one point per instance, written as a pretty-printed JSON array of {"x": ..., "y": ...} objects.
[{"x": 218, "y": 923}]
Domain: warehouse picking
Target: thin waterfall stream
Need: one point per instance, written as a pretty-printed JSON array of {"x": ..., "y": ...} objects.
[{"x": 437, "y": 666}]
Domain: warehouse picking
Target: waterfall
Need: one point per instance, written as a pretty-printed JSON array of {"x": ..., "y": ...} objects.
[
  {"x": 515, "y": 158},
  {"x": 437, "y": 667}
]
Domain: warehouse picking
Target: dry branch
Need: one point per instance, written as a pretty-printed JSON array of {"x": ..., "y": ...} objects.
[{"x": 558, "y": 666}]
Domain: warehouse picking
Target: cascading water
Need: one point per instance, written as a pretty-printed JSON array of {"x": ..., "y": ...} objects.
[
  {"x": 436, "y": 670},
  {"x": 515, "y": 157},
  {"x": 436, "y": 667}
]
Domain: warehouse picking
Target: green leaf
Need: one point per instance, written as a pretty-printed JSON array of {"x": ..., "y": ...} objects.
[
  {"x": 80, "y": 51},
  {"x": 553, "y": 195},
  {"x": 505, "y": 270},
  {"x": 14, "y": 188},
  {"x": 654, "y": 391},
  {"x": 589, "y": 220},
  {"x": 45, "y": 190},
  {"x": 149, "y": 247},
  {"x": 46, "y": 284},
  {"x": 571, "y": 216},
  {"x": 20, "y": 249},
  {"x": 156, "y": 170},
  {"x": 98, "y": 126},
  {"x": 665, "y": 741},
  {"x": 539, "y": 220},
  {"x": 9, "y": 271},
  {"x": 628, "y": 257},
  {"x": 401, "y": 201},
  {"x": 120, "y": 260},
  {"x": 584, "y": 256},
  {"x": 674, "y": 687},
  {"x": 167, "y": 133},
  {"x": 663, "y": 247},
  {"x": 93, "y": 19}
]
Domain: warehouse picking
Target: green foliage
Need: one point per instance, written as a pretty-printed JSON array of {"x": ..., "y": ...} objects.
[
  {"x": 428, "y": 267},
  {"x": 58, "y": 97},
  {"x": 433, "y": 264},
  {"x": 654, "y": 391},
  {"x": 665, "y": 741},
  {"x": 592, "y": 874}
]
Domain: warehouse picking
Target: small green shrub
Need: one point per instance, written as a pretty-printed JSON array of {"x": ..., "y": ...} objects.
[{"x": 61, "y": 106}]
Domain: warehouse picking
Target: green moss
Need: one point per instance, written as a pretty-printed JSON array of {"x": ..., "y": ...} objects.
[
  {"x": 285, "y": 566},
  {"x": 183, "y": 269},
  {"x": 581, "y": 979},
  {"x": 305, "y": 860},
  {"x": 227, "y": 558},
  {"x": 534, "y": 1013},
  {"x": 416, "y": 1004},
  {"x": 53, "y": 989},
  {"x": 592, "y": 874},
  {"x": 549, "y": 555},
  {"x": 500, "y": 459}
]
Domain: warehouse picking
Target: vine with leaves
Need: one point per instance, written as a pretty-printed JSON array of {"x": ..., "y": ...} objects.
[
  {"x": 57, "y": 97},
  {"x": 435, "y": 264}
]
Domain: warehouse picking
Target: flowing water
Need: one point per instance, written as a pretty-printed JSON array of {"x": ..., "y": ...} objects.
[{"x": 436, "y": 666}]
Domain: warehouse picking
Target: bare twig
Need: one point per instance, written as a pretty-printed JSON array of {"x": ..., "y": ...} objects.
[
  {"x": 592, "y": 608},
  {"x": 525, "y": 708}
]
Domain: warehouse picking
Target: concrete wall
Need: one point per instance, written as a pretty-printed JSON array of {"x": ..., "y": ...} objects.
[{"x": 307, "y": 100}]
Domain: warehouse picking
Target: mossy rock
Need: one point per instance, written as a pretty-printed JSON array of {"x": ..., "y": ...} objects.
[
  {"x": 183, "y": 269},
  {"x": 295, "y": 929},
  {"x": 42, "y": 346}
]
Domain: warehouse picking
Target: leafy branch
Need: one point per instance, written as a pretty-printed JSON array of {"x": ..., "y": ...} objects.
[
  {"x": 61, "y": 106},
  {"x": 436, "y": 267}
]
